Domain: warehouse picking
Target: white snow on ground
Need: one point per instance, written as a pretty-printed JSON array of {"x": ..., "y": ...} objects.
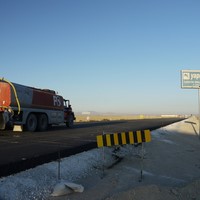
[{"x": 38, "y": 183}]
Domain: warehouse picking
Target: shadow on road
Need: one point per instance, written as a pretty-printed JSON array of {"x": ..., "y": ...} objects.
[
  {"x": 86, "y": 125},
  {"x": 192, "y": 124}
]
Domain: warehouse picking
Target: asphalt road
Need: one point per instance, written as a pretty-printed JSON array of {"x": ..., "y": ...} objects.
[{"x": 23, "y": 150}]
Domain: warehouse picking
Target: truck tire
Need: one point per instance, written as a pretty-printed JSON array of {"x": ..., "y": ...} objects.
[
  {"x": 31, "y": 122},
  {"x": 42, "y": 122},
  {"x": 70, "y": 122}
]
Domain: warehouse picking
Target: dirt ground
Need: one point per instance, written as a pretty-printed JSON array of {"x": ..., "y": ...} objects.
[{"x": 171, "y": 169}]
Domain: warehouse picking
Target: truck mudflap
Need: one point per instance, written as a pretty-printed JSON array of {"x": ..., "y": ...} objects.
[{"x": 4, "y": 118}]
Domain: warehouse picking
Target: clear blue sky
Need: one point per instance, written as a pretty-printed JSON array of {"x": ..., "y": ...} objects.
[{"x": 121, "y": 56}]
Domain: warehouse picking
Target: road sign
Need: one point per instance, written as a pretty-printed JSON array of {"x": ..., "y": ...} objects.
[
  {"x": 190, "y": 79},
  {"x": 123, "y": 138}
]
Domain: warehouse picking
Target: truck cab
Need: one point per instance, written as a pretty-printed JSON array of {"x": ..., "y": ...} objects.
[{"x": 69, "y": 116}]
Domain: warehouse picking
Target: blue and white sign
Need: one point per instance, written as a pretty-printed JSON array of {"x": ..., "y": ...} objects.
[{"x": 190, "y": 79}]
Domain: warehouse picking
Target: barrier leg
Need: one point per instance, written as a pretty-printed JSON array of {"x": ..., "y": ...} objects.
[
  {"x": 59, "y": 160},
  {"x": 142, "y": 158},
  {"x": 103, "y": 159}
]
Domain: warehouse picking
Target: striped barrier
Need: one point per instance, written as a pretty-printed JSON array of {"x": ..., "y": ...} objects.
[{"x": 131, "y": 137}]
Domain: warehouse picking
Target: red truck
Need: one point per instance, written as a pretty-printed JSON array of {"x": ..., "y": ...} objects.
[{"x": 32, "y": 108}]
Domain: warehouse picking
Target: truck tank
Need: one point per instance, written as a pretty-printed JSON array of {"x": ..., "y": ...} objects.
[{"x": 29, "y": 97}]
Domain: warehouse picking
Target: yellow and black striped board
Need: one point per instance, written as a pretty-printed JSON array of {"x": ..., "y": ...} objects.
[{"x": 131, "y": 137}]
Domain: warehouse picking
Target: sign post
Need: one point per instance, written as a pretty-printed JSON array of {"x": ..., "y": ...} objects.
[
  {"x": 199, "y": 110},
  {"x": 190, "y": 79}
]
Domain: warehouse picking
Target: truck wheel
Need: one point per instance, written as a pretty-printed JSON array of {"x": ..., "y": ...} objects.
[
  {"x": 70, "y": 122},
  {"x": 42, "y": 122},
  {"x": 31, "y": 123}
]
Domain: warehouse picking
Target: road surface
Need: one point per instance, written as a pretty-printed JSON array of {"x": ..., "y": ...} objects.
[{"x": 20, "y": 151}]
